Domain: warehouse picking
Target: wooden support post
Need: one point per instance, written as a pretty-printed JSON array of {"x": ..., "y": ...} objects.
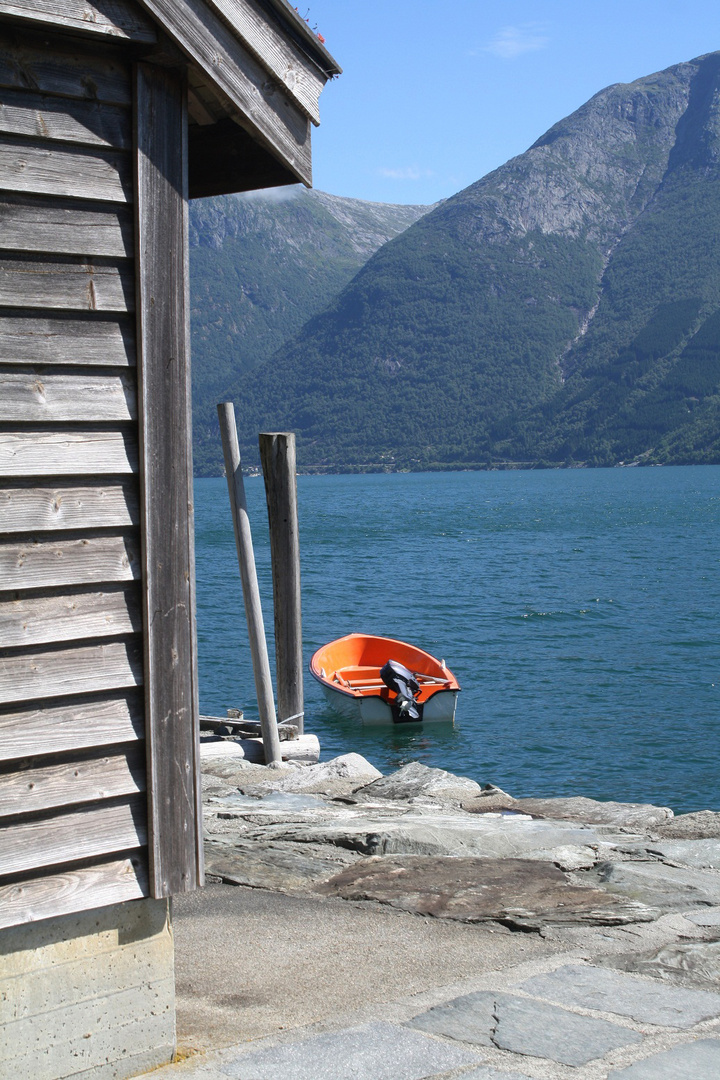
[
  {"x": 248, "y": 576},
  {"x": 277, "y": 453},
  {"x": 171, "y": 701}
]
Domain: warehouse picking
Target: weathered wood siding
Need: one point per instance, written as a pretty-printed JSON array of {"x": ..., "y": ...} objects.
[{"x": 73, "y": 779}]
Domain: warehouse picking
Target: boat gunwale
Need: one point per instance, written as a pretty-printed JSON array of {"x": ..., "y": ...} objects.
[{"x": 451, "y": 685}]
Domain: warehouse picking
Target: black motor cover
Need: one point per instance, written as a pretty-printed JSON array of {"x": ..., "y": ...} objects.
[{"x": 405, "y": 709}]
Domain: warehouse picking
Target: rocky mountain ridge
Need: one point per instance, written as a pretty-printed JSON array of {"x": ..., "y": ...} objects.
[{"x": 558, "y": 311}]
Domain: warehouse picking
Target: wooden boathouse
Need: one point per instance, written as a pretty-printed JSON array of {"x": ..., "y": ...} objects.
[{"x": 112, "y": 114}]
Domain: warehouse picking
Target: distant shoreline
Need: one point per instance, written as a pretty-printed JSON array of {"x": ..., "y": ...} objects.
[{"x": 451, "y": 467}]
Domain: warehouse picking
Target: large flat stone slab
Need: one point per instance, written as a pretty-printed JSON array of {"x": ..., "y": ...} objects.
[
  {"x": 695, "y": 965},
  {"x": 700, "y": 854},
  {"x": 395, "y": 828},
  {"x": 622, "y": 815},
  {"x": 519, "y": 892},
  {"x": 656, "y": 884},
  {"x": 698, "y": 1060},
  {"x": 378, "y": 1051},
  {"x": 281, "y": 867},
  {"x": 525, "y": 1027},
  {"x": 625, "y": 995}
]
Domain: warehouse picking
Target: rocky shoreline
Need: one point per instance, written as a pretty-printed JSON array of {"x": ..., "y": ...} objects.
[{"x": 427, "y": 842}]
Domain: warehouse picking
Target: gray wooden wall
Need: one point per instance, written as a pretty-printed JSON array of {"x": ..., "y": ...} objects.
[
  {"x": 73, "y": 777},
  {"x": 99, "y": 777}
]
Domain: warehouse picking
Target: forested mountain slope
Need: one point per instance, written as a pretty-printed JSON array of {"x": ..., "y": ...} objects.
[
  {"x": 260, "y": 266},
  {"x": 565, "y": 308}
]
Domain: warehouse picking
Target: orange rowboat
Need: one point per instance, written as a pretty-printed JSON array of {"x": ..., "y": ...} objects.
[{"x": 379, "y": 680}]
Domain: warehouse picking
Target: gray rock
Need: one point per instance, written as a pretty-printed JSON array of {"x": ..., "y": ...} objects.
[
  {"x": 625, "y": 995},
  {"x": 525, "y": 1027},
  {"x": 378, "y": 1051},
  {"x": 518, "y": 892},
  {"x": 567, "y": 857},
  {"x": 281, "y": 867},
  {"x": 401, "y": 828},
  {"x": 415, "y": 779},
  {"x": 339, "y": 776},
  {"x": 490, "y": 798},
  {"x": 696, "y": 964},
  {"x": 485, "y": 1072},
  {"x": 471, "y": 1018},
  {"x": 656, "y": 884},
  {"x": 702, "y": 854},
  {"x": 622, "y": 815},
  {"x": 699, "y": 1060},
  {"x": 708, "y": 917},
  {"x": 703, "y": 824}
]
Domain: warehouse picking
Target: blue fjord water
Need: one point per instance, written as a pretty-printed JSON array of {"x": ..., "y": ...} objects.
[{"x": 579, "y": 610}]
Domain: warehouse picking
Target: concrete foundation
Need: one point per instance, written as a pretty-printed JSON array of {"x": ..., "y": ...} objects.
[{"x": 89, "y": 995}]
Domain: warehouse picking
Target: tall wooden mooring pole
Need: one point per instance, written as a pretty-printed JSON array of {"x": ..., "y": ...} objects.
[
  {"x": 251, "y": 592},
  {"x": 277, "y": 454}
]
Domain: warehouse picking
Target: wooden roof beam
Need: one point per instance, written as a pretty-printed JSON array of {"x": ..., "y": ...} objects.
[
  {"x": 111, "y": 18},
  {"x": 264, "y": 108}
]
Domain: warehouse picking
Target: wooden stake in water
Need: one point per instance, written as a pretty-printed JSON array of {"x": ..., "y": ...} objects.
[
  {"x": 248, "y": 576},
  {"x": 277, "y": 453}
]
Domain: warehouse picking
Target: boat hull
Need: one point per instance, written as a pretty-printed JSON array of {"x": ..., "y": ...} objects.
[{"x": 439, "y": 709}]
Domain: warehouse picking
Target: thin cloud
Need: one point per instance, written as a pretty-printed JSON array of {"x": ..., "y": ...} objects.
[
  {"x": 512, "y": 41},
  {"x": 272, "y": 195},
  {"x": 409, "y": 173}
]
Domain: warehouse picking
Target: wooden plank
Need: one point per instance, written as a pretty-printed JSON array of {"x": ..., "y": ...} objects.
[
  {"x": 87, "y": 669},
  {"x": 45, "y": 169},
  {"x": 264, "y": 107},
  {"x": 277, "y": 52},
  {"x": 67, "y": 284},
  {"x": 110, "y": 18},
  {"x": 44, "y": 116},
  {"x": 36, "y": 395},
  {"x": 32, "y": 509},
  {"x": 113, "y": 882},
  {"x": 74, "y": 725},
  {"x": 41, "y": 564},
  {"x": 43, "y": 620},
  {"x": 71, "y": 836},
  {"x": 175, "y": 847},
  {"x": 26, "y": 339},
  {"x": 41, "y": 784},
  {"x": 64, "y": 227},
  {"x": 74, "y": 453},
  {"x": 30, "y": 62}
]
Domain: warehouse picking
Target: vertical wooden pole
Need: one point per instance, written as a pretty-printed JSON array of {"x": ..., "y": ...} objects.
[
  {"x": 162, "y": 311},
  {"x": 248, "y": 576},
  {"x": 277, "y": 453}
]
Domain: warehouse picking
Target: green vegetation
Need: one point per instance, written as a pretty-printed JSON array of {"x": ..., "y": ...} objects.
[{"x": 259, "y": 267}]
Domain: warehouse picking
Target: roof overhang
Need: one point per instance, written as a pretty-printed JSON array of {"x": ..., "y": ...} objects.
[{"x": 255, "y": 73}]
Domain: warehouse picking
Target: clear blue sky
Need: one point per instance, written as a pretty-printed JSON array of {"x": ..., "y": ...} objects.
[{"x": 434, "y": 95}]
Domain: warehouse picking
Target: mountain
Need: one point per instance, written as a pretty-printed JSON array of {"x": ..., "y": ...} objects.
[
  {"x": 260, "y": 265},
  {"x": 563, "y": 309}
]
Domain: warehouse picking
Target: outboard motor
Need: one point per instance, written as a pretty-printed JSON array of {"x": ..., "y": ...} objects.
[{"x": 405, "y": 709}]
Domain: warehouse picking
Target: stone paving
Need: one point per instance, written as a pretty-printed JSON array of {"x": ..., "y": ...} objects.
[
  {"x": 633, "y": 892},
  {"x": 578, "y": 1019}
]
